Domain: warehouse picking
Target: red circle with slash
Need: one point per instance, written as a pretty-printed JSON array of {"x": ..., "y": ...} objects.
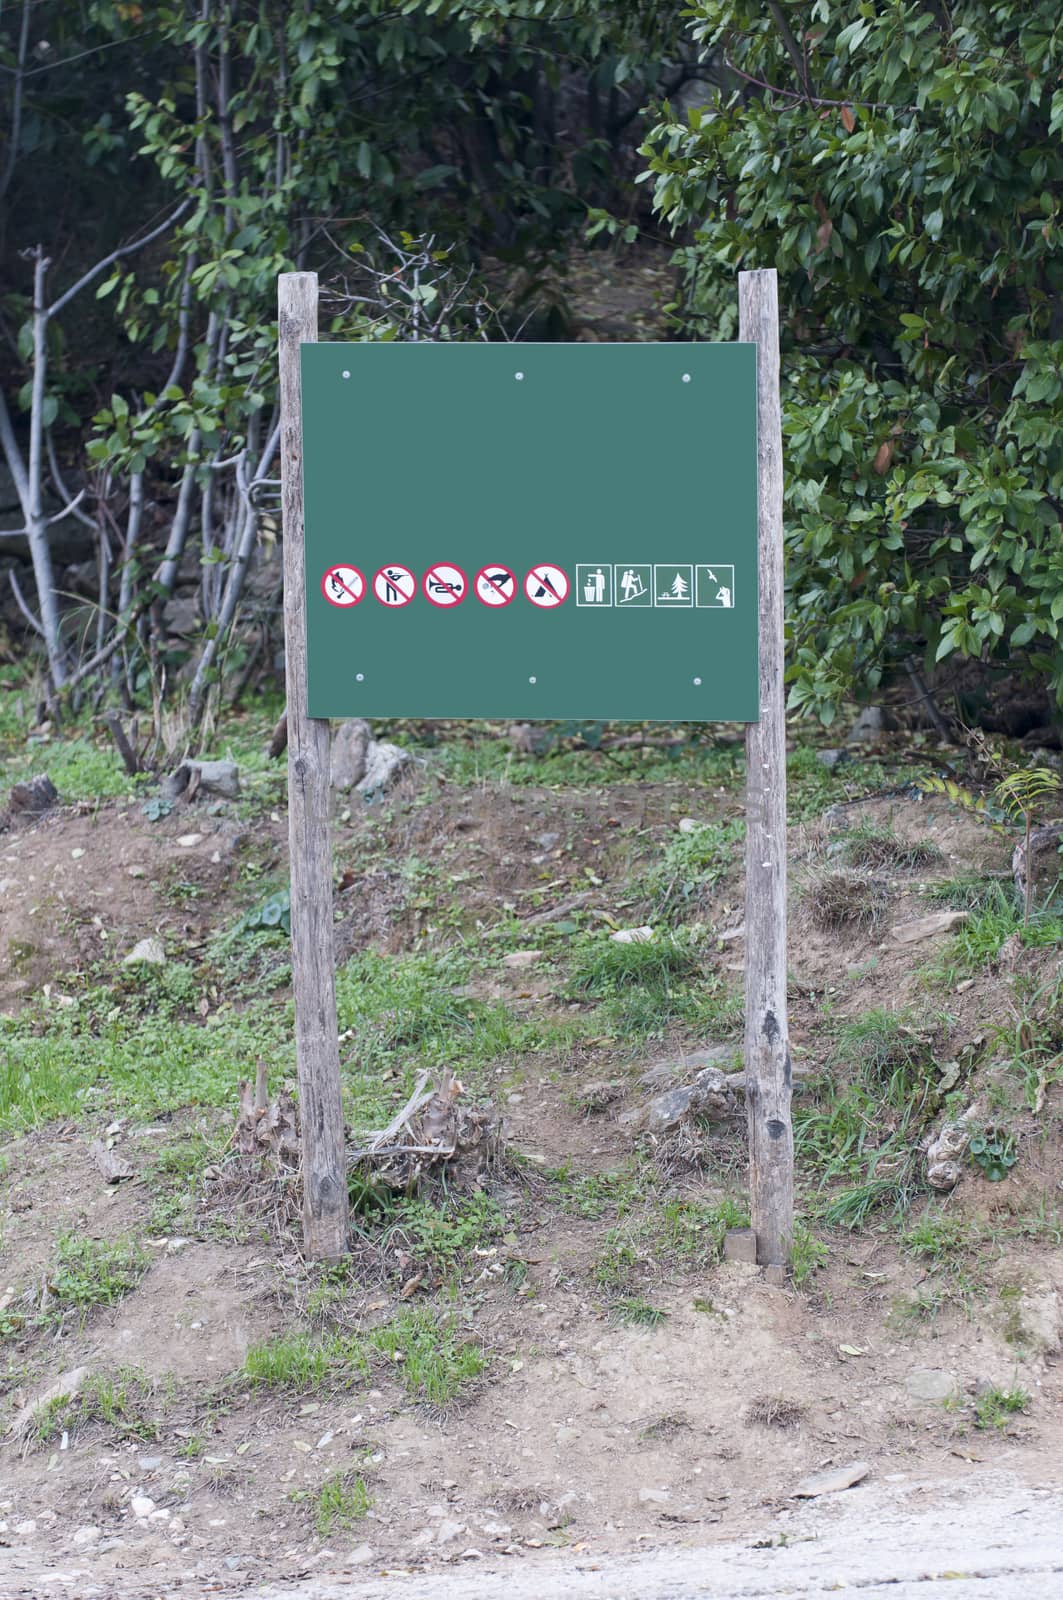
[
  {"x": 445, "y": 585},
  {"x": 491, "y": 584},
  {"x": 389, "y": 586},
  {"x": 343, "y": 586},
  {"x": 547, "y": 586}
]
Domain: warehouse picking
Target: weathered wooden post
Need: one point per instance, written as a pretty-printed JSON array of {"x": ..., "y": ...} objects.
[
  {"x": 309, "y": 839},
  {"x": 767, "y": 1047}
]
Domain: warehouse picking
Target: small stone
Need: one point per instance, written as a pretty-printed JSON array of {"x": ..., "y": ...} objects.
[
  {"x": 150, "y": 951},
  {"x": 448, "y": 1531},
  {"x": 188, "y": 841},
  {"x": 517, "y": 960},
  {"x": 690, "y": 824},
  {"x": 150, "y": 1463},
  {"x": 654, "y": 1497},
  {"x": 83, "y": 1537},
  {"x": 360, "y": 1556},
  {"x": 740, "y": 1244},
  {"x": 930, "y": 1384},
  {"x": 141, "y": 1505},
  {"x": 832, "y": 1480},
  {"x": 547, "y": 841},
  {"x": 868, "y": 725},
  {"x": 943, "y": 1176},
  {"x": 136, "y": 871},
  {"x": 1035, "y": 1320},
  {"x": 832, "y": 758},
  {"x": 25, "y": 1529},
  {"x": 633, "y": 936}
]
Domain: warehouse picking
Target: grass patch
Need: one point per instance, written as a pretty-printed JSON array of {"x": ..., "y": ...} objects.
[
  {"x": 95, "y": 1272},
  {"x": 643, "y": 989},
  {"x": 431, "y": 1361},
  {"x": 861, "y": 1164},
  {"x": 692, "y": 864},
  {"x": 994, "y": 1408},
  {"x": 342, "y": 1501},
  {"x": 888, "y": 1054},
  {"x": 807, "y": 1255},
  {"x": 845, "y": 901},
  {"x": 868, "y": 845},
  {"x": 123, "y": 1401},
  {"x": 638, "y": 1312},
  {"x": 296, "y": 1361}
]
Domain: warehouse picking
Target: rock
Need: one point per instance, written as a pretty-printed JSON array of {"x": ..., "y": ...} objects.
[
  {"x": 833, "y": 1479},
  {"x": 350, "y": 748},
  {"x": 360, "y": 1556},
  {"x": 448, "y": 1531},
  {"x": 149, "y": 951},
  {"x": 654, "y": 1497},
  {"x": 1034, "y": 1320},
  {"x": 517, "y": 960},
  {"x": 930, "y": 1384},
  {"x": 712, "y": 1094},
  {"x": 112, "y": 1168},
  {"x": 25, "y": 1529},
  {"x": 209, "y": 777},
  {"x": 670, "y": 1069},
  {"x": 64, "y": 1388},
  {"x": 83, "y": 1537},
  {"x": 633, "y": 936},
  {"x": 740, "y": 1244},
  {"x": 142, "y": 1505},
  {"x": 137, "y": 871},
  {"x": 547, "y": 841},
  {"x": 868, "y": 726},
  {"x": 690, "y": 824},
  {"x": 598, "y": 1094},
  {"x": 927, "y": 927},
  {"x": 943, "y": 1176},
  {"x": 384, "y": 763},
  {"x": 188, "y": 841},
  {"x": 150, "y": 1463},
  {"x": 833, "y": 758},
  {"x": 34, "y": 798}
]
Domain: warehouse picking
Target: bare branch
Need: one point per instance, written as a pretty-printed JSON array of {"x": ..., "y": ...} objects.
[{"x": 116, "y": 255}]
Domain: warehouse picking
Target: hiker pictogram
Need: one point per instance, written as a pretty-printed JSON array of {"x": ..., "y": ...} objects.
[
  {"x": 394, "y": 585},
  {"x": 495, "y": 585},
  {"x": 633, "y": 584},
  {"x": 546, "y": 586},
  {"x": 343, "y": 586},
  {"x": 444, "y": 584}
]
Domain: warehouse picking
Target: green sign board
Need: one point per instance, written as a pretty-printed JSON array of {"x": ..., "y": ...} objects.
[{"x": 531, "y": 531}]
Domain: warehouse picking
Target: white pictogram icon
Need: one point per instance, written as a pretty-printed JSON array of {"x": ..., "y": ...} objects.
[
  {"x": 716, "y": 588},
  {"x": 343, "y": 586},
  {"x": 444, "y": 584},
  {"x": 633, "y": 584},
  {"x": 673, "y": 586},
  {"x": 394, "y": 585},
  {"x": 495, "y": 585},
  {"x": 594, "y": 585},
  {"x": 546, "y": 586}
]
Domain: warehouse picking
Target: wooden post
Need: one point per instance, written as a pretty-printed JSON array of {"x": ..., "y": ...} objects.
[
  {"x": 309, "y": 839},
  {"x": 767, "y": 1045}
]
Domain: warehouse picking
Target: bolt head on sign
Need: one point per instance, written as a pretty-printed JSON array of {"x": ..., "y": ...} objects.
[
  {"x": 444, "y": 584},
  {"x": 546, "y": 586},
  {"x": 394, "y": 585},
  {"x": 343, "y": 586},
  {"x": 496, "y": 585}
]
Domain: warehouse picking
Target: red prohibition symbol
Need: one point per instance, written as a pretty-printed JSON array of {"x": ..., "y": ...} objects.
[
  {"x": 445, "y": 585},
  {"x": 394, "y": 586},
  {"x": 496, "y": 585},
  {"x": 343, "y": 586},
  {"x": 546, "y": 586}
]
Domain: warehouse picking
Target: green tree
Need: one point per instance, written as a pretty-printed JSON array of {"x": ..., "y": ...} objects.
[{"x": 901, "y": 165}]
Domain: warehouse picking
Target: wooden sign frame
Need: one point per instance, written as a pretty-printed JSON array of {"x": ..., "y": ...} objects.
[{"x": 767, "y": 1056}]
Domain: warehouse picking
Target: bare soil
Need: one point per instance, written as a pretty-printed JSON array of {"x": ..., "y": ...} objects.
[{"x": 586, "y": 1434}]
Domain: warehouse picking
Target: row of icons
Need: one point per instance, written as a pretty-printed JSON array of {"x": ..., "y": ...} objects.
[{"x": 626, "y": 586}]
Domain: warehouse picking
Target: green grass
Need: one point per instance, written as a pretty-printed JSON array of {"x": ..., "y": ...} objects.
[
  {"x": 470, "y": 758},
  {"x": 808, "y": 1255},
  {"x": 870, "y": 845},
  {"x": 297, "y": 1361},
  {"x": 994, "y": 1408},
  {"x": 978, "y": 942},
  {"x": 811, "y": 787},
  {"x": 888, "y": 1053},
  {"x": 636, "y": 1311},
  {"x": 95, "y": 1272},
  {"x": 858, "y": 1161},
  {"x": 431, "y": 1360},
  {"x": 124, "y": 1401},
  {"x": 643, "y": 989},
  {"x": 691, "y": 865},
  {"x": 342, "y": 1501}
]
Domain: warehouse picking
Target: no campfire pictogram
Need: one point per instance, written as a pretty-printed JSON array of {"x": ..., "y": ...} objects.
[
  {"x": 343, "y": 586},
  {"x": 496, "y": 585},
  {"x": 394, "y": 585},
  {"x": 444, "y": 584},
  {"x": 546, "y": 586}
]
